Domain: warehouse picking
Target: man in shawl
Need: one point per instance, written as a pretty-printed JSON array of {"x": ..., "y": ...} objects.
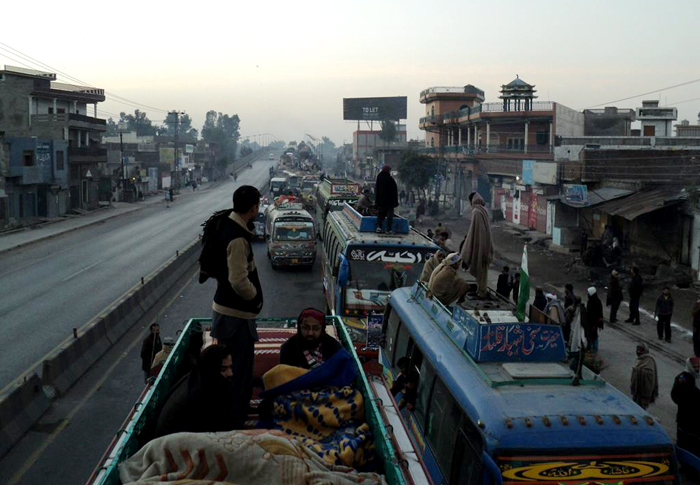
[
  {"x": 644, "y": 384},
  {"x": 387, "y": 199},
  {"x": 477, "y": 252},
  {"x": 445, "y": 284},
  {"x": 686, "y": 395},
  {"x": 594, "y": 319},
  {"x": 435, "y": 259},
  {"x": 311, "y": 346}
]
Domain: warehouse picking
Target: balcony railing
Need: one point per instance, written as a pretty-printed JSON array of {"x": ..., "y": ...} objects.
[
  {"x": 435, "y": 119},
  {"x": 86, "y": 119},
  {"x": 82, "y": 153},
  {"x": 65, "y": 117},
  {"x": 491, "y": 149}
]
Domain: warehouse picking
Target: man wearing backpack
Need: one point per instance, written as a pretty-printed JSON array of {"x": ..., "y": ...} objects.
[{"x": 238, "y": 299}]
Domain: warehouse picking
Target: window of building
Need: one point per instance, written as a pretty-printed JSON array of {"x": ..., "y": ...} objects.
[
  {"x": 60, "y": 110},
  {"x": 60, "y": 164},
  {"x": 50, "y": 110},
  {"x": 432, "y": 143},
  {"x": 28, "y": 158}
]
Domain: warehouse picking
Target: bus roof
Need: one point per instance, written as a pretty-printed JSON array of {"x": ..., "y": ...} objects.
[
  {"x": 540, "y": 412},
  {"x": 351, "y": 234},
  {"x": 278, "y": 179},
  {"x": 339, "y": 188}
]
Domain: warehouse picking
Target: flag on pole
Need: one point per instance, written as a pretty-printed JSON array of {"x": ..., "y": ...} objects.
[{"x": 524, "y": 292}]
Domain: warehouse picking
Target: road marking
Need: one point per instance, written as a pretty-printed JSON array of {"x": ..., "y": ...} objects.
[
  {"x": 82, "y": 270},
  {"x": 34, "y": 457}
]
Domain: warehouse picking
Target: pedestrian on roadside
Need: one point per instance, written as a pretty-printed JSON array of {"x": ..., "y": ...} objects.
[
  {"x": 387, "y": 199},
  {"x": 402, "y": 197},
  {"x": 583, "y": 241},
  {"x": 171, "y": 194},
  {"x": 696, "y": 328},
  {"x": 505, "y": 283},
  {"x": 614, "y": 295},
  {"x": 663, "y": 314},
  {"x": 686, "y": 395},
  {"x": 239, "y": 297},
  {"x": 516, "y": 286},
  {"x": 540, "y": 301},
  {"x": 635, "y": 289},
  {"x": 644, "y": 384},
  {"x": 149, "y": 348},
  {"x": 594, "y": 319},
  {"x": 477, "y": 251},
  {"x": 577, "y": 342},
  {"x": 420, "y": 211}
]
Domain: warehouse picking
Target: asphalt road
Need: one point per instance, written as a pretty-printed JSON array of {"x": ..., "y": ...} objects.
[
  {"x": 68, "y": 442},
  {"x": 59, "y": 284}
]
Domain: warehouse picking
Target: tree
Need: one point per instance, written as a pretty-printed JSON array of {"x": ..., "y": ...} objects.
[
  {"x": 184, "y": 127},
  {"x": 245, "y": 151},
  {"x": 416, "y": 170},
  {"x": 388, "y": 133},
  {"x": 223, "y": 130},
  {"x": 112, "y": 128},
  {"x": 138, "y": 122}
]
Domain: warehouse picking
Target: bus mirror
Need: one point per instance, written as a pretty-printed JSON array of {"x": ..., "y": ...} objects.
[{"x": 343, "y": 272}]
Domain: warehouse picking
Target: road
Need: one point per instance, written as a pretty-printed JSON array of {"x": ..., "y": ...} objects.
[
  {"x": 59, "y": 284},
  {"x": 68, "y": 442}
]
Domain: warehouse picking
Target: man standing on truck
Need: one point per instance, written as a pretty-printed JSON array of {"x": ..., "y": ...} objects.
[
  {"x": 239, "y": 298},
  {"x": 387, "y": 199}
]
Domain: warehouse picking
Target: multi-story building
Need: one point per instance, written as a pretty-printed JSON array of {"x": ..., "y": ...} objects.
[
  {"x": 685, "y": 129},
  {"x": 656, "y": 120},
  {"x": 609, "y": 121},
  {"x": 364, "y": 143},
  {"x": 52, "y": 145},
  {"x": 483, "y": 146}
]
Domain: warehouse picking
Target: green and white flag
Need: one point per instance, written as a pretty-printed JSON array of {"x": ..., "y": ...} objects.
[{"x": 524, "y": 292}]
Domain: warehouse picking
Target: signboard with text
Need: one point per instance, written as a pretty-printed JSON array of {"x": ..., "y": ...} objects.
[
  {"x": 576, "y": 194},
  {"x": 375, "y": 109}
]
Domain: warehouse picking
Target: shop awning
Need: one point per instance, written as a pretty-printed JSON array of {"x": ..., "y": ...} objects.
[
  {"x": 595, "y": 197},
  {"x": 641, "y": 203}
]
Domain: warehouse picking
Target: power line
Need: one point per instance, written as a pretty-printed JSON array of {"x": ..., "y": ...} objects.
[{"x": 608, "y": 103}]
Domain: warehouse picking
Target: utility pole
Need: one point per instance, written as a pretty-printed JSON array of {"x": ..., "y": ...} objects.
[{"x": 176, "y": 115}]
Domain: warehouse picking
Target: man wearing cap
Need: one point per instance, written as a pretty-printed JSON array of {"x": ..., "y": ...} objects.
[
  {"x": 162, "y": 356},
  {"x": 311, "y": 346},
  {"x": 594, "y": 319},
  {"x": 364, "y": 204},
  {"x": 686, "y": 395},
  {"x": 435, "y": 259},
  {"x": 387, "y": 199},
  {"x": 644, "y": 383},
  {"x": 614, "y": 295},
  {"x": 444, "y": 284}
]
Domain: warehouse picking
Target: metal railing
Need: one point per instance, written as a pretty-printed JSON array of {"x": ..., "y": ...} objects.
[
  {"x": 87, "y": 152},
  {"x": 491, "y": 149},
  {"x": 86, "y": 119},
  {"x": 65, "y": 117}
]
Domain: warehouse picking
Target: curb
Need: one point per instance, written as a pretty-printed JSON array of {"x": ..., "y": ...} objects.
[{"x": 30, "y": 396}]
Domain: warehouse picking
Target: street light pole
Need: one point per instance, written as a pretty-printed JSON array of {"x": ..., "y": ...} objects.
[{"x": 122, "y": 127}]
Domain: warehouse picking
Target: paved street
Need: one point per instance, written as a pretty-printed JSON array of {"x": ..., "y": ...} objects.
[
  {"x": 59, "y": 284},
  {"x": 70, "y": 439}
]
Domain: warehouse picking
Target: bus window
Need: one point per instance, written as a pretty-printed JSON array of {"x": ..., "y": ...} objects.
[
  {"x": 443, "y": 418},
  {"x": 416, "y": 356},
  {"x": 390, "y": 335},
  {"x": 425, "y": 386},
  {"x": 402, "y": 340},
  {"x": 466, "y": 463}
]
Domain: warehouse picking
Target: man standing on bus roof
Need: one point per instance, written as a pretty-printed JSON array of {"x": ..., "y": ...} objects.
[
  {"x": 477, "y": 252},
  {"x": 239, "y": 297},
  {"x": 387, "y": 198},
  {"x": 686, "y": 394}
]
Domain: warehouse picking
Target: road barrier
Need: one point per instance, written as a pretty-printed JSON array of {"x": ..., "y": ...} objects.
[
  {"x": 28, "y": 400},
  {"x": 19, "y": 410}
]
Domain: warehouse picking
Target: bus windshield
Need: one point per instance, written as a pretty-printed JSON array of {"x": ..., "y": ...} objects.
[
  {"x": 294, "y": 231},
  {"x": 378, "y": 276}
]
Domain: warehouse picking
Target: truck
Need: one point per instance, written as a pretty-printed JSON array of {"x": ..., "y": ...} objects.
[
  {"x": 136, "y": 431},
  {"x": 290, "y": 235}
]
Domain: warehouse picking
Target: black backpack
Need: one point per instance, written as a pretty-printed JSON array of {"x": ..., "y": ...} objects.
[{"x": 211, "y": 264}]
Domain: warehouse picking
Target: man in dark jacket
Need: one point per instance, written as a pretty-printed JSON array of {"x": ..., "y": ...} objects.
[
  {"x": 150, "y": 347},
  {"x": 238, "y": 298},
  {"x": 505, "y": 283},
  {"x": 387, "y": 198},
  {"x": 594, "y": 319},
  {"x": 686, "y": 395},
  {"x": 516, "y": 286},
  {"x": 540, "y": 301},
  {"x": 636, "y": 287},
  {"x": 614, "y": 295},
  {"x": 311, "y": 346},
  {"x": 663, "y": 314}
]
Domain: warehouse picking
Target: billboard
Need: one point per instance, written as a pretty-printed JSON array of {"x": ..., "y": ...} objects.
[
  {"x": 540, "y": 172},
  {"x": 375, "y": 109}
]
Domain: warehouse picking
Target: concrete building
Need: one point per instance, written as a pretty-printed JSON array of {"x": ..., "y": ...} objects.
[
  {"x": 364, "y": 143},
  {"x": 53, "y": 147},
  {"x": 685, "y": 129},
  {"x": 484, "y": 147},
  {"x": 656, "y": 120},
  {"x": 609, "y": 121}
]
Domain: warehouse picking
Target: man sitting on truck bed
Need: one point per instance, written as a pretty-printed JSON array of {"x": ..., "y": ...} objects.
[{"x": 311, "y": 346}]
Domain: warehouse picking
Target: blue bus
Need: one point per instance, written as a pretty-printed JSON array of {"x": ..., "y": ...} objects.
[
  {"x": 496, "y": 402},
  {"x": 360, "y": 268}
]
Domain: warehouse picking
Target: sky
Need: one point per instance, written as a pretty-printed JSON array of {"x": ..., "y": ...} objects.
[{"x": 285, "y": 67}]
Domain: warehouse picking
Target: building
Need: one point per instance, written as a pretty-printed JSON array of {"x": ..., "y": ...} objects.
[
  {"x": 656, "y": 120},
  {"x": 685, "y": 129},
  {"x": 52, "y": 146},
  {"x": 364, "y": 143},
  {"x": 483, "y": 146},
  {"x": 141, "y": 166},
  {"x": 609, "y": 121}
]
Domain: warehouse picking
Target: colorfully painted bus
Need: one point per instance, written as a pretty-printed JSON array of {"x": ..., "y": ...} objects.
[
  {"x": 138, "y": 427},
  {"x": 360, "y": 268},
  {"x": 331, "y": 195},
  {"x": 290, "y": 234},
  {"x": 497, "y": 403}
]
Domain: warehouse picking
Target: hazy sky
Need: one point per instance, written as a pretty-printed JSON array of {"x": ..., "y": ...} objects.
[{"x": 284, "y": 67}]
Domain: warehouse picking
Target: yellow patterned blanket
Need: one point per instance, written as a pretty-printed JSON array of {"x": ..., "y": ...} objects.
[
  {"x": 265, "y": 457},
  {"x": 330, "y": 422}
]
